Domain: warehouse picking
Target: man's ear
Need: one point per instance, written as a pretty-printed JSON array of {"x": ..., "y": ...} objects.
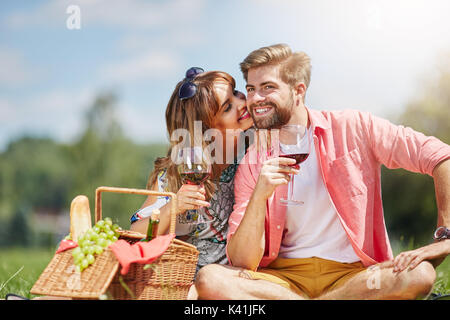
[
  {"x": 300, "y": 88},
  {"x": 300, "y": 91}
]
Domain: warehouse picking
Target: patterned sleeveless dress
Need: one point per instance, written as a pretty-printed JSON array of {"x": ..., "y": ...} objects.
[{"x": 205, "y": 228}]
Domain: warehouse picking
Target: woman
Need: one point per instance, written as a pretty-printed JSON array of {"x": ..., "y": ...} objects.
[{"x": 209, "y": 97}]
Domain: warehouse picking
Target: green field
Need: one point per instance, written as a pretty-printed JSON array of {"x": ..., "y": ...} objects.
[
  {"x": 20, "y": 268},
  {"x": 442, "y": 284}
]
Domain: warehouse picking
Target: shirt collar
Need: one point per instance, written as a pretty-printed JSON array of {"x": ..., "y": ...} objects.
[{"x": 317, "y": 119}]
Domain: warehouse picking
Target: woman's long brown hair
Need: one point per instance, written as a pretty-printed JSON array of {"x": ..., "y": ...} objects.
[{"x": 181, "y": 114}]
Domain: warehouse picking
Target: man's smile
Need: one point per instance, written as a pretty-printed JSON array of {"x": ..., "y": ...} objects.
[{"x": 261, "y": 111}]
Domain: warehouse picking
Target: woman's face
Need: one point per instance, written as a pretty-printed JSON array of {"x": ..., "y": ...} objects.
[{"x": 232, "y": 112}]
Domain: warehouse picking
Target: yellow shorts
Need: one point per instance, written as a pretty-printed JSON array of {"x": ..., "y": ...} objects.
[{"x": 308, "y": 276}]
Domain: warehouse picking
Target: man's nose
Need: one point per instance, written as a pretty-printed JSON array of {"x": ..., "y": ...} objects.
[{"x": 255, "y": 98}]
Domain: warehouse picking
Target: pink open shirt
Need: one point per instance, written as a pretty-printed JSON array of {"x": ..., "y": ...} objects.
[{"x": 351, "y": 146}]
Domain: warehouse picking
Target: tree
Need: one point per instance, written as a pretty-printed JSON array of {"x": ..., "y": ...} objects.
[
  {"x": 19, "y": 233},
  {"x": 34, "y": 171}
]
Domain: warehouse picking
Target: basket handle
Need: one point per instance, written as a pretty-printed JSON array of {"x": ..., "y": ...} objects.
[{"x": 173, "y": 203}]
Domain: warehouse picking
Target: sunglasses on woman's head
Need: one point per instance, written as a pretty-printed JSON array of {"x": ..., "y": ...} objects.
[{"x": 188, "y": 89}]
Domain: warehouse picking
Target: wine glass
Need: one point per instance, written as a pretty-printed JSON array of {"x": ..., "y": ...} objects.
[
  {"x": 194, "y": 168},
  {"x": 295, "y": 143}
]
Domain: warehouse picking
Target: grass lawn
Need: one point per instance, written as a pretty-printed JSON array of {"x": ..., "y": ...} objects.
[
  {"x": 20, "y": 268},
  {"x": 442, "y": 284}
]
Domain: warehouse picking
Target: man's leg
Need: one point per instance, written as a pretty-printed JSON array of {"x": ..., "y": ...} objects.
[
  {"x": 219, "y": 282},
  {"x": 380, "y": 282}
]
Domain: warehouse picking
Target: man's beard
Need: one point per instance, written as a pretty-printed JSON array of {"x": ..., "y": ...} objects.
[{"x": 280, "y": 117}]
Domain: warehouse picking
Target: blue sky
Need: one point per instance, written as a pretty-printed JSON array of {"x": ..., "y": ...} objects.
[{"x": 368, "y": 55}]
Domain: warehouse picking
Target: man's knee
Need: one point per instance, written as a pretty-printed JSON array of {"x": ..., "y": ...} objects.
[
  {"x": 209, "y": 279},
  {"x": 419, "y": 281},
  {"x": 426, "y": 275}
]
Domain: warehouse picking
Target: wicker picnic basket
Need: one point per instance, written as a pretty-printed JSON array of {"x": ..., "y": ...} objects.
[{"x": 169, "y": 277}]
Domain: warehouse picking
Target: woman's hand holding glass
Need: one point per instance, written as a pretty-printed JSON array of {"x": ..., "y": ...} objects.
[
  {"x": 191, "y": 197},
  {"x": 194, "y": 170}
]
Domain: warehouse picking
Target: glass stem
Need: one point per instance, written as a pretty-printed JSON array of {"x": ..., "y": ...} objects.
[{"x": 291, "y": 187}]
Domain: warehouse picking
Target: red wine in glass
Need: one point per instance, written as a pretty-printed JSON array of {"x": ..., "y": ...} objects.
[
  {"x": 298, "y": 157},
  {"x": 193, "y": 169},
  {"x": 295, "y": 143},
  {"x": 194, "y": 177}
]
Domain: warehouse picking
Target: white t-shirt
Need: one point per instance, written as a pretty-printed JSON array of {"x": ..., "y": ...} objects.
[{"x": 314, "y": 229}]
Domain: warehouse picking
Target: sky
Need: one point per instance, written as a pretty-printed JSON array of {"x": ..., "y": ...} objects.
[{"x": 366, "y": 55}]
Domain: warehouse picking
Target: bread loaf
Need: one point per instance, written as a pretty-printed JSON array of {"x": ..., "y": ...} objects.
[{"x": 80, "y": 216}]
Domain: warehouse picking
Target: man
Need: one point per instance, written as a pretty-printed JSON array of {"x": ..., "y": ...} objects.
[{"x": 334, "y": 246}]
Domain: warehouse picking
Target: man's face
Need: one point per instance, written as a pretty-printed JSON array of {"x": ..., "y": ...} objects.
[{"x": 270, "y": 100}]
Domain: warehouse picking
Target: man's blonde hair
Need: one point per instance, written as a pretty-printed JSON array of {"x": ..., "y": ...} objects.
[{"x": 295, "y": 66}]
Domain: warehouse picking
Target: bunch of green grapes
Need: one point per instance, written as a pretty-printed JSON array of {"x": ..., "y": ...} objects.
[{"x": 93, "y": 242}]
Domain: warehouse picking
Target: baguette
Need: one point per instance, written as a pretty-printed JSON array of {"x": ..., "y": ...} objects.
[{"x": 80, "y": 217}]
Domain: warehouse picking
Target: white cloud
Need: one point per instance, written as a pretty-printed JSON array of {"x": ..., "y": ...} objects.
[
  {"x": 15, "y": 70},
  {"x": 56, "y": 113},
  {"x": 142, "y": 125},
  {"x": 8, "y": 112},
  {"x": 151, "y": 65},
  {"x": 174, "y": 40}
]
